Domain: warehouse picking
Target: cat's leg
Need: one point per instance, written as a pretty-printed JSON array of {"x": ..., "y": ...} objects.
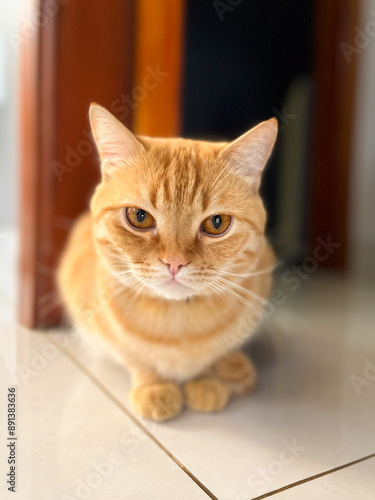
[
  {"x": 207, "y": 394},
  {"x": 237, "y": 370},
  {"x": 232, "y": 374},
  {"x": 155, "y": 398}
]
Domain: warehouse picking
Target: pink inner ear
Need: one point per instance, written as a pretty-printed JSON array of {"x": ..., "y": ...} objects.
[
  {"x": 111, "y": 150},
  {"x": 116, "y": 150}
]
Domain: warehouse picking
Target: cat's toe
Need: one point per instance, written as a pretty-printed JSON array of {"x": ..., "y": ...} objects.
[
  {"x": 206, "y": 394},
  {"x": 237, "y": 370},
  {"x": 160, "y": 401}
]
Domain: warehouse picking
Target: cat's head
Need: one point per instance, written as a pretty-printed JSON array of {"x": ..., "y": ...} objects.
[{"x": 178, "y": 216}]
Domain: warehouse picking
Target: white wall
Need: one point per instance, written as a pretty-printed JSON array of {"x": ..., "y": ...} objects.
[
  {"x": 10, "y": 15},
  {"x": 362, "y": 207}
]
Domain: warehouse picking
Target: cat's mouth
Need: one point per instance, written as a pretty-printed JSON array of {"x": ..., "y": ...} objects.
[
  {"x": 168, "y": 286},
  {"x": 172, "y": 288},
  {"x": 173, "y": 279}
]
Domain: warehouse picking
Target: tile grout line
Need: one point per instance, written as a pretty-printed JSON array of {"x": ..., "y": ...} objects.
[
  {"x": 122, "y": 407},
  {"x": 312, "y": 478}
]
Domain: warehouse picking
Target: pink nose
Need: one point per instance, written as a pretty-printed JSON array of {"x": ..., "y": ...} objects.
[{"x": 174, "y": 264}]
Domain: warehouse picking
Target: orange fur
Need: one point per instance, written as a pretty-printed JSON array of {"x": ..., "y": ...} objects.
[{"x": 115, "y": 285}]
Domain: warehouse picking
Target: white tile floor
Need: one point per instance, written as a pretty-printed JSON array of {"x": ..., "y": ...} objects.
[{"x": 308, "y": 432}]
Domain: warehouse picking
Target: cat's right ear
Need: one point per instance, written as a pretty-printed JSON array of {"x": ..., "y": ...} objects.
[{"x": 117, "y": 146}]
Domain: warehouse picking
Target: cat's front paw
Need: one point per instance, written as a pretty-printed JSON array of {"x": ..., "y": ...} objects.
[
  {"x": 237, "y": 370},
  {"x": 206, "y": 394},
  {"x": 159, "y": 401}
]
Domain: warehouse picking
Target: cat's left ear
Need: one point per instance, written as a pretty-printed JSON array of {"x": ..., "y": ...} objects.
[
  {"x": 248, "y": 154},
  {"x": 117, "y": 146}
]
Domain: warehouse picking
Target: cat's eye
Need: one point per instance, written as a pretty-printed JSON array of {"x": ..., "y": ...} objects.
[
  {"x": 138, "y": 218},
  {"x": 216, "y": 225}
]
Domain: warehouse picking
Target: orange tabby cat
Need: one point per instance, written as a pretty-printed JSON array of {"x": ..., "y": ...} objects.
[{"x": 170, "y": 258}]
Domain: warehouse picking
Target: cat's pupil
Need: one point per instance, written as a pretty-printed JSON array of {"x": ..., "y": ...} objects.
[
  {"x": 141, "y": 214},
  {"x": 216, "y": 221}
]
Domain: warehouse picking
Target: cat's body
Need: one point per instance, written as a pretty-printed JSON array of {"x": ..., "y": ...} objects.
[{"x": 168, "y": 292}]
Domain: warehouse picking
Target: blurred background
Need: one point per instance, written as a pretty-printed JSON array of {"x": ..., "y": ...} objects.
[{"x": 200, "y": 69}]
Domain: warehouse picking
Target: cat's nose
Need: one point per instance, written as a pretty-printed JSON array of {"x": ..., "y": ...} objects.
[{"x": 174, "y": 264}]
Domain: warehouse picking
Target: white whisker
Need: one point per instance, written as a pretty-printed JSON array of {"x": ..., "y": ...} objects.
[{"x": 248, "y": 275}]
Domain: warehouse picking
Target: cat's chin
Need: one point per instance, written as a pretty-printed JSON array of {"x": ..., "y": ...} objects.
[{"x": 173, "y": 291}]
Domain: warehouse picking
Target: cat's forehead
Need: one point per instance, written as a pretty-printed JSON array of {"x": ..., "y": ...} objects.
[{"x": 181, "y": 177}]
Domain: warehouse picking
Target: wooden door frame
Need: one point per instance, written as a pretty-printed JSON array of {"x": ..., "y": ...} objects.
[
  {"x": 332, "y": 129},
  {"x": 50, "y": 60}
]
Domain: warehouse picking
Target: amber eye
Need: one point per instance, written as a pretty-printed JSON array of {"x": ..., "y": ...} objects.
[
  {"x": 138, "y": 218},
  {"x": 216, "y": 225}
]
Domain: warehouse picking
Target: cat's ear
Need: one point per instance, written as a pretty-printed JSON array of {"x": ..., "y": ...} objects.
[
  {"x": 117, "y": 146},
  {"x": 248, "y": 154}
]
